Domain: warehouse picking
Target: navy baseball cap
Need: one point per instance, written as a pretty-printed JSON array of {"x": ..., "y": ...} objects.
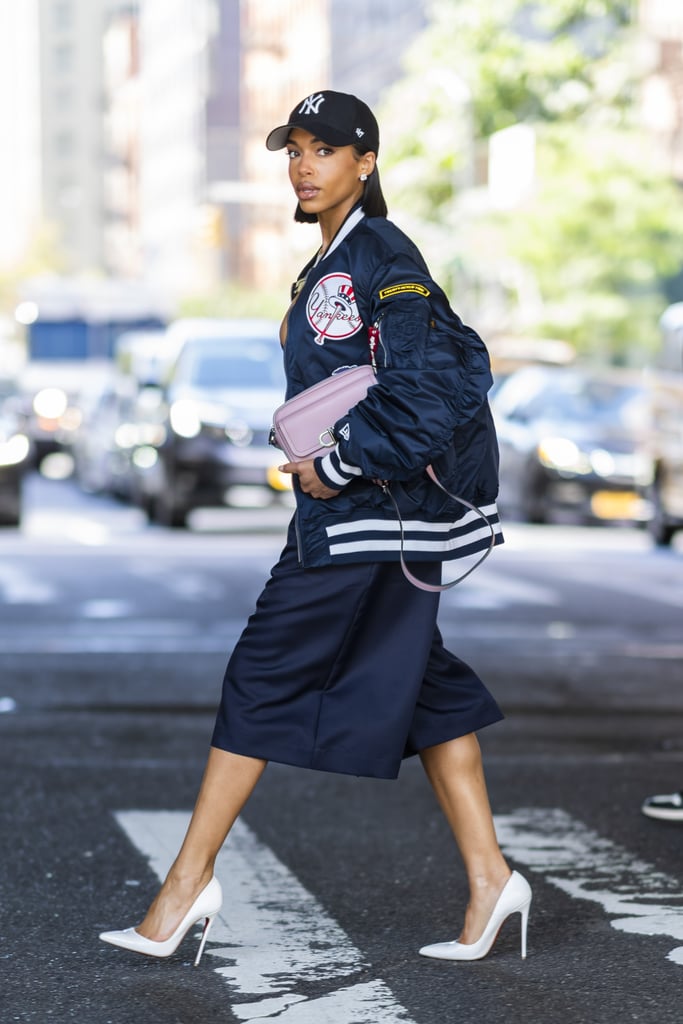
[{"x": 334, "y": 117}]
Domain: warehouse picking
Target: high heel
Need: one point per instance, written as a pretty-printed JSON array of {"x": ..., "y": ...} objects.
[
  {"x": 207, "y": 905},
  {"x": 514, "y": 899}
]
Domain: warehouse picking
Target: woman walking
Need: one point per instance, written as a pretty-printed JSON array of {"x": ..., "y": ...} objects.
[{"x": 341, "y": 667}]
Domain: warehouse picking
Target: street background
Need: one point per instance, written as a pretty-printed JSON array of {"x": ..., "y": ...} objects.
[
  {"x": 114, "y": 639},
  {"x": 534, "y": 152}
]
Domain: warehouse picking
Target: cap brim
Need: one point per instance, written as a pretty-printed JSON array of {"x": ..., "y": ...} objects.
[{"x": 277, "y": 139}]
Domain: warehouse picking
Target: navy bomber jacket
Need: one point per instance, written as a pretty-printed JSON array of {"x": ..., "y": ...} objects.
[{"x": 429, "y": 405}]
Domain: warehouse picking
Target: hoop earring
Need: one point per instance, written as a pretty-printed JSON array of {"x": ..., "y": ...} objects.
[{"x": 363, "y": 177}]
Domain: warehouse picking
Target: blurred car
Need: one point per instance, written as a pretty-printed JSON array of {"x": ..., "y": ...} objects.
[
  {"x": 208, "y": 430},
  {"x": 571, "y": 445},
  {"x": 51, "y": 397},
  {"x": 106, "y": 433},
  {"x": 114, "y": 413},
  {"x": 665, "y": 448},
  {"x": 144, "y": 356},
  {"x": 16, "y": 457},
  {"x": 665, "y": 441}
]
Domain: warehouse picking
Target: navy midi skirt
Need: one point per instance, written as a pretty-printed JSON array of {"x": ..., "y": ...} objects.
[{"x": 343, "y": 669}]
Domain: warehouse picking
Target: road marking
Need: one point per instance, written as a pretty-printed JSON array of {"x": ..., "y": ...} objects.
[
  {"x": 106, "y": 608},
  {"x": 586, "y": 866},
  {"x": 85, "y": 530},
  {"x": 122, "y": 636},
  {"x": 130, "y": 634},
  {"x": 491, "y": 590},
  {"x": 665, "y": 591},
  {"x": 276, "y": 938},
  {"x": 19, "y": 587}
]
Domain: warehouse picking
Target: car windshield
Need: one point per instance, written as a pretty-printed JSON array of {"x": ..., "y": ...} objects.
[
  {"x": 572, "y": 397},
  {"x": 584, "y": 400},
  {"x": 231, "y": 364}
]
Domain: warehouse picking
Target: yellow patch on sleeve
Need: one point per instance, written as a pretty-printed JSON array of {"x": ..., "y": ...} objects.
[{"x": 401, "y": 289}]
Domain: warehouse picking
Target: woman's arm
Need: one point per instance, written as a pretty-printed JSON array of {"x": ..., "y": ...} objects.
[{"x": 434, "y": 375}]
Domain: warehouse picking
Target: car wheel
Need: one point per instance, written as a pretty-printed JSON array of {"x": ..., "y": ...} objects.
[
  {"x": 661, "y": 531},
  {"x": 160, "y": 499},
  {"x": 534, "y": 503},
  {"x": 10, "y": 512},
  {"x": 166, "y": 511}
]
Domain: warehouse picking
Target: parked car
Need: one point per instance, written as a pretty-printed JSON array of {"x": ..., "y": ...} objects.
[
  {"x": 665, "y": 448},
  {"x": 208, "y": 430},
  {"x": 16, "y": 458},
  {"x": 665, "y": 441},
  {"x": 105, "y": 436},
  {"x": 115, "y": 413},
  {"x": 571, "y": 444},
  {"x": 51, "y": 395}
]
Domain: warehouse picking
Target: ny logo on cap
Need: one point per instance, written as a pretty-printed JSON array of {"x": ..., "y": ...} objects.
[{"x": 311, "y": 105}]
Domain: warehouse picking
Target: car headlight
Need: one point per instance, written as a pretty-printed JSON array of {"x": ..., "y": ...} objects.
[
  {"x": 239, "y": 433},
  {"x": 145, "y": 457},
  {"x": 14, "y": 450},
  {"x": 184, "y": 418},
  {"x": 562, "y": 454},
  {"x": 603, "y": 462},
  {"x": 71, "y": 418},
  {"x": 126, "y": 435},
  {"x": 50, "y": 403}
]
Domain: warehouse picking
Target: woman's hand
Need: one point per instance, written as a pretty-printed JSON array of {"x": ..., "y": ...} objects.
[{"x": 309, "y": 480}]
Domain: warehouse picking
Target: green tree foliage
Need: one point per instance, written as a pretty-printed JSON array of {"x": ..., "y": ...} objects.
[
  {"x": 604, "y": 225},
  {"x": 232, "y": 300},
  {"x": 604, "y": 230},
  {"x": 43, "y": 255},
  {"x": 534, "y": 62}
]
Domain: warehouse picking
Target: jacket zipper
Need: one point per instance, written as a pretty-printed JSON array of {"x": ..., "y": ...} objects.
[{"x": 299, "y": 554}]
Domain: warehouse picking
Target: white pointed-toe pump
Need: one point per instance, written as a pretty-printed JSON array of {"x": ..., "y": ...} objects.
[
  {"x": 206, "y": 906},
  {"x": 514, "y": 899}
]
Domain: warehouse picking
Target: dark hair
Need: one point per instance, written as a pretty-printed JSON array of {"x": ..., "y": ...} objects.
[{"x": 373, "y": 202}]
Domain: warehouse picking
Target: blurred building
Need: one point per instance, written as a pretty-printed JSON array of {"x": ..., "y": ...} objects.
[
  {"x": 122, "y": 250},
  {"x": 661, "y": 28},
  {"x": 153, "y": 116},
  {"x": 368, "y": 42},
  {"x": 285, "y": 55},
  {"x": 20, "y": 204},
  {"x": 215, "y": 75},
  {"x": 71, "y": 113},
  {"x": 175, "y": 84},
  {"x": 290, "y": 48}
]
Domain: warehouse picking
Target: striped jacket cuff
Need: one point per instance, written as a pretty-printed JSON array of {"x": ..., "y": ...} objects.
[{"x": 335, "y": 473}]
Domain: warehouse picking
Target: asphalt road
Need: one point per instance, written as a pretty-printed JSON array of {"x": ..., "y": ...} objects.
[{"x": 113, "y": 640}]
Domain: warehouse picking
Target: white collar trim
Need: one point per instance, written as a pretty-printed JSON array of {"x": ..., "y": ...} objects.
[{"x": 355, "y": 218}]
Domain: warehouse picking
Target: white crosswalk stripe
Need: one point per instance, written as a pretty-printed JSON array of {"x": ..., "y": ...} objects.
[
  {"x": 275, "y": 937},
  {"x": 638, "y": 898},
  {"x": 19, "y": 586}
]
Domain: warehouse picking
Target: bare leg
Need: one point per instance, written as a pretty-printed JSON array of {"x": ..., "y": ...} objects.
[
  {"x": 228, "y": 782},
  {"x": 456, "y": 773}
]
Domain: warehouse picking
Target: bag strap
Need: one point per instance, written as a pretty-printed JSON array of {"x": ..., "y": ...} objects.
[
  {"x": 432, "y": 588},
  {"x": 437, "y": 588}
]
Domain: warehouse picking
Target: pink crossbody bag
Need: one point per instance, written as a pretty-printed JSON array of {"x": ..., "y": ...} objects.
[{"x": 303, "y": 428}]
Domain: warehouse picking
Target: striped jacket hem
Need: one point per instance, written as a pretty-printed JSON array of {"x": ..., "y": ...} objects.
[{"x": 422, "y": 541}]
